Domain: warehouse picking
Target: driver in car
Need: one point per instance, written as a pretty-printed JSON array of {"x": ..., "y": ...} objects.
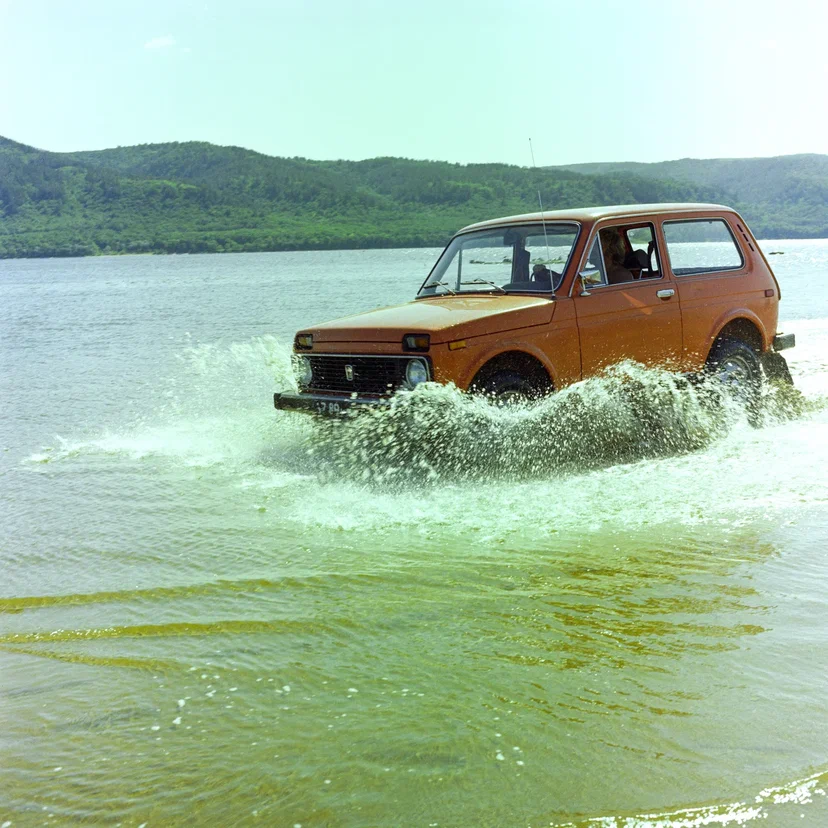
[{"x": 542, "y": 277}]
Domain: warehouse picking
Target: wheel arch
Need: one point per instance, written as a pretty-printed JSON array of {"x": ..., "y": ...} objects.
[
  {"x": 529, "y": 364},
  {"x": 743, "y": 325}
]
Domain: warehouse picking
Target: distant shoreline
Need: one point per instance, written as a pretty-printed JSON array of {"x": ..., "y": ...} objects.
[
  {"x": 297, "y": 249},
  {"x": 765, "y": 242}
]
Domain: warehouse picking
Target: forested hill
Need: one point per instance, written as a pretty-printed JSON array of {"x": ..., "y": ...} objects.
[
  {"x": 782, "y": 197},
  {"x": 198, "y": 197}
]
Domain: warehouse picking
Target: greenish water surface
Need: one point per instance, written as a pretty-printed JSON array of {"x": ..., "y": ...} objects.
[{"x": 215, "y": 613}]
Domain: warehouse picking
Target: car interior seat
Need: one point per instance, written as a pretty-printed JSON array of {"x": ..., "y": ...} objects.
[{"x": 637, "y": 260}]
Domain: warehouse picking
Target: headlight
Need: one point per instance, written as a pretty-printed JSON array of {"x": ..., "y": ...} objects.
[
  {"x": 303, "y": 370},
  {"x": 415, "y": 372}
]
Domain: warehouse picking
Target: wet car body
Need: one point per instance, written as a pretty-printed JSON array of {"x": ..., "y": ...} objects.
[{"x": 665, "y": 285}]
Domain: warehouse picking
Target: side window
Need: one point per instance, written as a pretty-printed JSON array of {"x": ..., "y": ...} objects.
[
  {"x": 701, "y": 246},
  {"x": 621, "y": 254}
]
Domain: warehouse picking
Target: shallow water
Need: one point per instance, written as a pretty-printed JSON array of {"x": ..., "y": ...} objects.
[{"x": 607, "y": 610}]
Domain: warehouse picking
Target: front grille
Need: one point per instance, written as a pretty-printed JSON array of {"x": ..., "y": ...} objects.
[{"x": 371, "y": 375}]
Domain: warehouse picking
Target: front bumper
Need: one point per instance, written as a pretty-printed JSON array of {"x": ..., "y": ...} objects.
[{"x": 326, "y": 405}]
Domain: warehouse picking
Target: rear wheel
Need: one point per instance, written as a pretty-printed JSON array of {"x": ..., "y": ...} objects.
[{"x": 736, "y": 366}]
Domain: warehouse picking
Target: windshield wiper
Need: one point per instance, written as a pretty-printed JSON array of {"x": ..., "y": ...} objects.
[
  {"x": 484, "y": 282},
  {"x": 441, "y": 284}
]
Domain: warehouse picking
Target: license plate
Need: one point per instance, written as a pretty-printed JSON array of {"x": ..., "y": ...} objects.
[{"x": 328, "y": 407}]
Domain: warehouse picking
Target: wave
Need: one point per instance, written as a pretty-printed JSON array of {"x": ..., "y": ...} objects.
[{"x": 773, "y": 802}]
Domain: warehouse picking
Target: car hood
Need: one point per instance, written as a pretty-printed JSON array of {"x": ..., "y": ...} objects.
[{"x": 445, "y": 318}]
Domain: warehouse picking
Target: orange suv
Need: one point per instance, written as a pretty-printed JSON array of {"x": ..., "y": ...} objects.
[{"x": 521, "y": 306}]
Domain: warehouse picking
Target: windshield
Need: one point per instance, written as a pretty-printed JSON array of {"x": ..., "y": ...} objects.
[{"x": 503, "y": 260}]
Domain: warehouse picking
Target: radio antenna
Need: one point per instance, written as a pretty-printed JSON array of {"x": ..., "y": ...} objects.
[{"x": 540, "y": 204}]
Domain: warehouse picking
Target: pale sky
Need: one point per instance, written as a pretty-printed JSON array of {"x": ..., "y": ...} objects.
[{"x": 587, "y": 80}]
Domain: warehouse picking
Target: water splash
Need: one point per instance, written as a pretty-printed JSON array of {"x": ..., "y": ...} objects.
[
  {"x": 629, "y": 413},
  {"x": 216, "y": 410}
]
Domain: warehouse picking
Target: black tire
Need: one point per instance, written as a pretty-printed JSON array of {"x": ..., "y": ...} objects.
[
  {"x": 505, "y": 387},
  {"x": 736, "y": 365}
]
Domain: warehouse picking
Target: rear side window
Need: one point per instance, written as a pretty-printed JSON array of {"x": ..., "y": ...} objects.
[{"x": 701, "y": 246}]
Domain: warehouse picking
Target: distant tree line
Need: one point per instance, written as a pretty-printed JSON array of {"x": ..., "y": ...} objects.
[{"x": 200, "y": 198}]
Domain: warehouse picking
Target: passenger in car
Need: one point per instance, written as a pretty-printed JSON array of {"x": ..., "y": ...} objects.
[{"x": 614, "y": 254}]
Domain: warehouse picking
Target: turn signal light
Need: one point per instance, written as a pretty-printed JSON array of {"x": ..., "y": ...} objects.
[
  {"x": 416, "y": 342},
  {"x": 303, "y": 342}
]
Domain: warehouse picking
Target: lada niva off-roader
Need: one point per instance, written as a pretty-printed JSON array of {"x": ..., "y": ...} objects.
[{"x": 518, "y": 307}]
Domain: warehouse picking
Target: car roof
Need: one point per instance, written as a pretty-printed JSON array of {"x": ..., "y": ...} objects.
[{"x": 591, "y": 214}]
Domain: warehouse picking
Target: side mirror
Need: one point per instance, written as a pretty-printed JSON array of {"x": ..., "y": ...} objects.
[{"x": 590, "y": 275}]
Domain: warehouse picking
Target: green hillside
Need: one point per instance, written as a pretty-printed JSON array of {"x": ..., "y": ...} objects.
[
  {"x": 198, "y": 197},
  {"x": 782, "y": 197}
]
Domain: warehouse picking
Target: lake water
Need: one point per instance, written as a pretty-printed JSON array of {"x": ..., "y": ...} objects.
[{"x": 215, "y": 613}]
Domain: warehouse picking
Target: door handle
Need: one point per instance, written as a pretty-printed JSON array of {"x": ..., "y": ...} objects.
[{"x": 665, "y": 294}]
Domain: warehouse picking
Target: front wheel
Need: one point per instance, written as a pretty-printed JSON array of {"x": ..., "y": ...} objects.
[
  {"x": 736, "y": 366},
  {"x": 507, "y": 388}
]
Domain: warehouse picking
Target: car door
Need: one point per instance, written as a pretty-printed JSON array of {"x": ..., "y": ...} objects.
[{"x": 635, "y": 318}]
